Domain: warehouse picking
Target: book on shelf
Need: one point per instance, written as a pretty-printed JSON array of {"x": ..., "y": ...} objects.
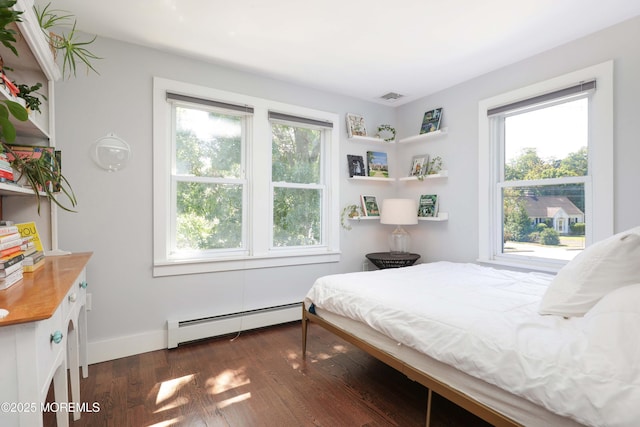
[
  {"x": 428, "y": 206},
  {"x": 369, "y": 205},
  {"x": 355, "y": 125},
  {"x": 11, "y": 279},
  {"x": 33, "y": 267},
  {"x": 431, "y": 121},
  {"x": 377, "y": 164},
  {"x": 28, "y": 229},
  {"x": 356, "y": 166},
  {"x": 419, "y": 165}
]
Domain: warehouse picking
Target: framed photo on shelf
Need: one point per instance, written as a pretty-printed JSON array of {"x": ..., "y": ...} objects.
[
  {"x": 369, "y": 205},
  {"x": 355, "y": 125},
  {"x": 419, "y": 165},
  {"x": 377, "y": 164},
  {"x": 431, "y": 121},
  {"x": 356, "y": 166},
  {"x": 428, "y": 206}
]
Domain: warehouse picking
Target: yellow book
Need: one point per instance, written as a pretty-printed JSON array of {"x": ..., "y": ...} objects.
[{"x": 28, "y": 229}]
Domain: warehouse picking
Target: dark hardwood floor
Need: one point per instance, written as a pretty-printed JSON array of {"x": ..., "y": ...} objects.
[{"x": 259, "y": 379}]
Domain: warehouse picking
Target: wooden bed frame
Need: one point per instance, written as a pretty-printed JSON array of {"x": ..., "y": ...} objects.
[{"x": 433, "y": 385}]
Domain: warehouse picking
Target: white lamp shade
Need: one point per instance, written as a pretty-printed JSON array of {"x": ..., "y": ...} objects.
[{"x": 399, "y": 212}]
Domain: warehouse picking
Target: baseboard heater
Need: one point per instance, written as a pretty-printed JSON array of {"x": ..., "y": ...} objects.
[{"x": 182, "y": 331}]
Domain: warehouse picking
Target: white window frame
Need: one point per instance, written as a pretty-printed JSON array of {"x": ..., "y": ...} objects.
[
  {"x": 598, "y": 184},
  {"x": 259, "y": 253}
]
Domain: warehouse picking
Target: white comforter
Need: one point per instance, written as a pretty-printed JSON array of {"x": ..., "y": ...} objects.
[{"x": 484, "y": 322}]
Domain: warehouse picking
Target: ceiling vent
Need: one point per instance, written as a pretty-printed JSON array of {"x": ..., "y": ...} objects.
[{"x": 391, "y": 96}]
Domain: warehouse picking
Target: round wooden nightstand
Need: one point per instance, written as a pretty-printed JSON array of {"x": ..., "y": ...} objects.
[{"x": 384, "y": 260}]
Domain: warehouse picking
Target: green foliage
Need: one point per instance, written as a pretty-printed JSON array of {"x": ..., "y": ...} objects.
[
  {"x": 517, "y": 224},
  {"x": 8, "y": 16},
  {"x": 350, "y": 211},
  {"x": 73, "y": 49},
  {"x": 32, "y": 102},
  {"x": 7, "y": 109},
  {"x": 549, "y": 236},
  {"x": 43, "y": 174},
  {"x": 577, "y": 229}
]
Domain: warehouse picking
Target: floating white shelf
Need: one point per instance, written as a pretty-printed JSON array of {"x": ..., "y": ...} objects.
[
  {"x": 358, "y": 218},
  {"x": 356, "y": 138},
  {"x": 8, "y": 189},
  {"x": 371, "y": 178},
  {"x": 442, "y": 174},
  {"x": 442, "y": 216},
  {"x": 424, "y": 136}
]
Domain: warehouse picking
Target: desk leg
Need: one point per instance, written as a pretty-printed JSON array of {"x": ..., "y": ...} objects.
[
  {"x": 82, "y": 341},
  {"x": 74, "y": 366},
  {"x": 60, "y": 394}
]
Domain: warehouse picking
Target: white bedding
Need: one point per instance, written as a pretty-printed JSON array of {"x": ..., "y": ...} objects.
[{"x": 484, "y": 322}]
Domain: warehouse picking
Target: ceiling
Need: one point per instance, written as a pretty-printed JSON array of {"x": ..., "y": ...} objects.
[{"x": 361, "y": 48}]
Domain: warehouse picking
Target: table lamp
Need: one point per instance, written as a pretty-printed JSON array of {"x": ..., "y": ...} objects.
[{"x": 399, "y": 212}]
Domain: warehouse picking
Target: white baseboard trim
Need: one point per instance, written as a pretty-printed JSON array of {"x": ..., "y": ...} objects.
[{"x": 115, "y": 348}]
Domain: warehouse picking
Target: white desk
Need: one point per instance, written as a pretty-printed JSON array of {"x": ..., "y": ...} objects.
[{"x": 46, "y": 303}]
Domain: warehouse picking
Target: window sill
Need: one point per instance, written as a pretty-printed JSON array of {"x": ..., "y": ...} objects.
[
  {"x": 551, "y": 267},
  {"x": 196, "y": 266}
]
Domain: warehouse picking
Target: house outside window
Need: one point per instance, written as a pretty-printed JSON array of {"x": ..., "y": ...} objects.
[
  {"x": 546, "y": 166},
  {"x": 241, "y": 182}
]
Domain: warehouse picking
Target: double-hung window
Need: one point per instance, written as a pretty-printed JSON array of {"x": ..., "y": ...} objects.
[
  {"x": 299, "y": 192},
  {"x": 546, "y": 170},
  {"x": 241, "y": 182}
]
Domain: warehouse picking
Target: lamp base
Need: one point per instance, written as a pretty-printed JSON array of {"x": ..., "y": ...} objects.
[{"x": 399, "y": 241}]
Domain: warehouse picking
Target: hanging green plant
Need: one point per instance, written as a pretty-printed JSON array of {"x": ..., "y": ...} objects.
[
  {"x": 73, "y": 49},
  {"x": 44, "y": 176},
  {"x": 350, "y": 211}
]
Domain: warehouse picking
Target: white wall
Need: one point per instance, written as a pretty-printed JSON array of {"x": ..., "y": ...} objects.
[
  {"x": 458, "y": 239},
  {"x": 130, "y": 307}
]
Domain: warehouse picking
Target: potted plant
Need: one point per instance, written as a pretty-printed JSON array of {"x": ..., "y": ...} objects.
[
  {"x": 350, "y": 211},
  {"x": 25, "y": 92},
  {"x": 72, "y": 48},
  {"x": 44, "y": 176}
]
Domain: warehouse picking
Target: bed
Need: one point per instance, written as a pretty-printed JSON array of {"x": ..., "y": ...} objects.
[{"x": 514, "y": 348}]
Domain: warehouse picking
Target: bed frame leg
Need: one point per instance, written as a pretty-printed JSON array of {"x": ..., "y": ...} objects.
[
  {"x": 429, "y": 396},
  {"x": 305, "y": 323}
]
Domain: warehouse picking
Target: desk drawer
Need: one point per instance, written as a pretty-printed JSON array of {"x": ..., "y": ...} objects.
[{"x": 75, "y": 298}]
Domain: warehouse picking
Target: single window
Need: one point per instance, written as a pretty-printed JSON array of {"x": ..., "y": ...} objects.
[{"x": 546, "y": 168}]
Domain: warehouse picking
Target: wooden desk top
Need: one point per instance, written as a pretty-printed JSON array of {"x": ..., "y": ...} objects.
[{"x": 38, "y": 294}]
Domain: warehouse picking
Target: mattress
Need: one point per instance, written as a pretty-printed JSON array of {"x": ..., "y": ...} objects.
[{"x": 484, "y": 322}]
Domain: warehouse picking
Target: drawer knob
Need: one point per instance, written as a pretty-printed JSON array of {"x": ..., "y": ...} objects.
[
  {"x": 83, "y": 284},
  {"x": 56, "y": 337},
  {"x": 73, "y": 297}
]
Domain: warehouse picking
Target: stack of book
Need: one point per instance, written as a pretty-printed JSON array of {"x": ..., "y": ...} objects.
[
  {"x": 11, "y": 256},
  {"x": 6, "y": 171}
]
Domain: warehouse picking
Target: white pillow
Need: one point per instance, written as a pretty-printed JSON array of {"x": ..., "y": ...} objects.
[
  {"x": 599, "y": 269},
  {"x": 611, "y": 327}
]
